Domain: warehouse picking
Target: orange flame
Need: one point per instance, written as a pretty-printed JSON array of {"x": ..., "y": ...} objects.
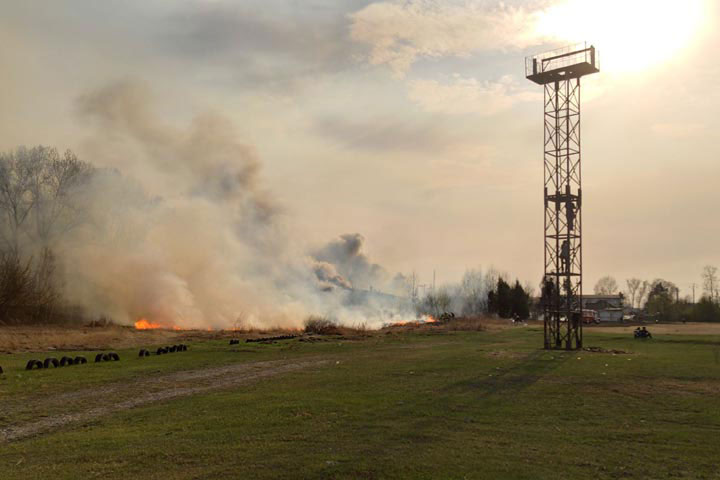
[
  {"x": 420, "y": 321},
  {"x": 143, "y": 324}
]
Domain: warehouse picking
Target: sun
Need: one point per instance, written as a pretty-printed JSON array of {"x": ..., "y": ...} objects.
[{"x": 631, "y": 35}]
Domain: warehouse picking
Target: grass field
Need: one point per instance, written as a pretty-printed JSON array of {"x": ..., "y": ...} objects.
[{"x": 450, "y": 404}]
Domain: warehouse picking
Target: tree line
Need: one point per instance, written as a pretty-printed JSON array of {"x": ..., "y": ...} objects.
[
  {"x": 40, "y": 200},
  {"x": 661, "y": 298},
  {"x": 478, "y": 294}
]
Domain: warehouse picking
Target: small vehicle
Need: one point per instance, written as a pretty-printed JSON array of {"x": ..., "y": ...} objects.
[
  {"x": 590, "y": 317},
  {"x": 642, "y": 333}
]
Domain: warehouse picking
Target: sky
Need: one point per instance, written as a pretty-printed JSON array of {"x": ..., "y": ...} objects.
[{"x": 409, "y": 122}]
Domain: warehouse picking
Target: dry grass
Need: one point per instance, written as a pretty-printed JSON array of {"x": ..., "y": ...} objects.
[
  {"x": 41, "y": 338},
  {"x": 321, "y": 326},
  {"x": 460, "y": 324},
  {"x": 54, "y": 337},
  {"x": 37, "y": 338},
  {"x": 324, "y": 326}
]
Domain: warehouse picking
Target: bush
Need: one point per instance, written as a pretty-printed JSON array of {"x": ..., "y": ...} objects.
[
  {"x": 27, "y": 289},
  {"x": 321, "y": 326}
]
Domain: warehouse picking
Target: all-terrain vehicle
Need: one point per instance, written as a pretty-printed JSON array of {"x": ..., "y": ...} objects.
[{"x": 642, "y": 333}]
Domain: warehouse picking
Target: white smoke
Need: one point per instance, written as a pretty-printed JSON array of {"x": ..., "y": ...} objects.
[{"x": 177, "y": 230}]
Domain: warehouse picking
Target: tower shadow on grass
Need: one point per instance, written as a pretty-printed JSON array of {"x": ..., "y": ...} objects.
[{"x": 515, "y": 377}]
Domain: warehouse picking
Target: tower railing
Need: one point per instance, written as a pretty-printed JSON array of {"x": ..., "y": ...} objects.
[{"x": 572, "y": 61}]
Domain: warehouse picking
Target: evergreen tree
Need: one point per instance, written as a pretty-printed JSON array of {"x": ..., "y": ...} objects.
[
  {"x": 492, "y": 305},
  {"x": 659, "y": 300},
  {"x": 504, "y": 299},
  {"x": 520, "y": 302}
]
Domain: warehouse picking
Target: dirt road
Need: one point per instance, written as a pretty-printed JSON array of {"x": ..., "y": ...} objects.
[{"x": 93, "y": 403}]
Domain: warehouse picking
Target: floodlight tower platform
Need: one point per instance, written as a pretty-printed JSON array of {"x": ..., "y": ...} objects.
[{"x": 559, "y": 72}]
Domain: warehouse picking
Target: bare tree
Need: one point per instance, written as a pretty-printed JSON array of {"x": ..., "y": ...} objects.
[
  {"x": 672, "y": 290},
  {"x": 18, "y": 171},
  {"x": 642, "y": 292},
  {"x": 37, "y": 195},
  {"x": 633, "y": 285},
  {"x": 15, "y": 285},
  {"x": 710, "y": 282},
  {"x": 473, "y": 292},
  {"x": 57, "y": 209},
  {"x": 606, "y": 286},
  {"x": 40, "y": 199},
  {"x": 436, "y": 303}
]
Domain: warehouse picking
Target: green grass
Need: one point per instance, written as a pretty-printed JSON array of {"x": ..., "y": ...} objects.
[{"x": 450, "y": 405}]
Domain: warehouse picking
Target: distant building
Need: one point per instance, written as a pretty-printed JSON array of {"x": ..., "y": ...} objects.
[{"x": 609, "y": 308}]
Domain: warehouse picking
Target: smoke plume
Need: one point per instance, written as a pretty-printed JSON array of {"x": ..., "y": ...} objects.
[{"x": 178, "y": 230}]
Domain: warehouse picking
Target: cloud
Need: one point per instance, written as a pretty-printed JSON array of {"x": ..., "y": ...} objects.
[
  {"x": 258, "y": 45},
  {"x": 398, "y": 33},
  {"x": 469, "y": 95},
  {"x": 386, "y": 134}
]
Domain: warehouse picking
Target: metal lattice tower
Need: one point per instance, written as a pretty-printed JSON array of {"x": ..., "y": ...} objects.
[{"x": 559, "y": 72}]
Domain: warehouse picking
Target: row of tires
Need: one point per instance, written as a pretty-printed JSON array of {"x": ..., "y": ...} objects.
[
  {"x": 164, "y": 350},
  {"x": 100, "y": 357},
  {"x": 69, "y": 361},
  {"x": 265, "y": 339}
]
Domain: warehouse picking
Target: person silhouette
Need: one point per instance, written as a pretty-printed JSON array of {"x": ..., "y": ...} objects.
[
  {"x": 570, "y": 214},
  {"x": 565, "y": 255}
]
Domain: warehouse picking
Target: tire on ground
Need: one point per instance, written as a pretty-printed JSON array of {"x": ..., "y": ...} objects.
[
  {"x": 160, "y": 351},
  {"x": 80, "y": 360},
  {"x": 51, "y": 361},
  {"x": 143, "y": 353},
  {"x": 172, "y": 349},
  {"x": 99, "y": 357},
  {"x": 66, "y": 361},
  {"x": 113, "y": 356},
  {"x": 32, "y": 364}
]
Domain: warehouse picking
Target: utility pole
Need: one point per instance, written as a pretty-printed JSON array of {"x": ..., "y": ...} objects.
[{"x": 693, "y": 287}]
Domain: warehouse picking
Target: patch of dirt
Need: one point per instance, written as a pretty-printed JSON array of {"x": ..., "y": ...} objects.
[
  {"x": 654, "y": 387},
  {"x": 116, "y": 397},
  {"x": 506, "y": 354},
  {"x": 603, "y": 350},
  {"x": 640, "y": 387}
]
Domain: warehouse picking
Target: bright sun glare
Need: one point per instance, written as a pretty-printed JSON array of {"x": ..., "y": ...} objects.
[{"x": 631, "y": 35}]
